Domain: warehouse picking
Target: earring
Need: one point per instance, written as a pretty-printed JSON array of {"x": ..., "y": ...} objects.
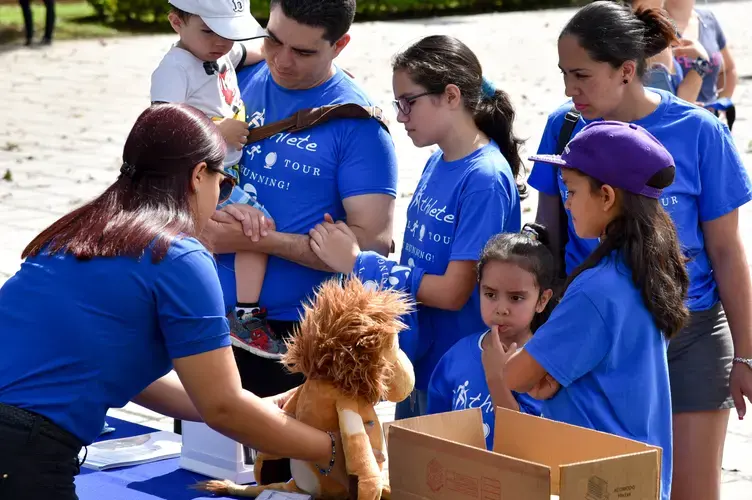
[{"x": 626, "y": 81}]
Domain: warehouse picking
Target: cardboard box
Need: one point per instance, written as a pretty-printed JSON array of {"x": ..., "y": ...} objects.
[{"x": 444, "y": 457}]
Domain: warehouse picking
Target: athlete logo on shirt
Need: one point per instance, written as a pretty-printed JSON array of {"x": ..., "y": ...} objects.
[
  {"x": 461, "y": 400},
  {"x": 258, "y": 118}
]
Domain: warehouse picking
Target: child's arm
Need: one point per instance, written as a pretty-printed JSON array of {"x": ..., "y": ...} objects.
[
  {"x": 500, "y": 393},
  {"x": 247, "y": 53}
]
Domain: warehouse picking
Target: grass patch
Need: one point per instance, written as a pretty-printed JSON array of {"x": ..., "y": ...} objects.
[{"x": 74, "y": 20}]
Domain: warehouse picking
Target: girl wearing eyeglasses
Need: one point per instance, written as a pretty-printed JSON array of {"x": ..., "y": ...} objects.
[
  {"x": 113, "y": 296},
  {"x": 466, "y": 194}
]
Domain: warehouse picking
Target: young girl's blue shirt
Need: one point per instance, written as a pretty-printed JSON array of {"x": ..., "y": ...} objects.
[
  {"x": 710, "y": 182},
  {"x": 602, "y": 345},
  {"x": 459, "y": 383},
  {"x": 457, "y": 207},
  {"x": 81, "y": 337}
]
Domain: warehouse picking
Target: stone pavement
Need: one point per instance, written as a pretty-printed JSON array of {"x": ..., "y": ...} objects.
[{"x": 67, "y": 109}]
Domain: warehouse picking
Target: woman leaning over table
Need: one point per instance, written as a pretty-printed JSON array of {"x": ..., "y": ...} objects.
[{"x": 114, "y": 295}]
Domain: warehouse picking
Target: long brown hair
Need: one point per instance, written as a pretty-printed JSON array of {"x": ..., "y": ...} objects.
[
  {"x": 150, "y": 205},
  {"x": 646, "y": 237},
  {"x": 438, "y": 60}
]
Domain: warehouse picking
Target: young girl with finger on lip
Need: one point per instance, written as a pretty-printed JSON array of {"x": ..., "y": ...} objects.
[
  {"x": 516, "y": 274},
  {"x": 605, "y": 342}
]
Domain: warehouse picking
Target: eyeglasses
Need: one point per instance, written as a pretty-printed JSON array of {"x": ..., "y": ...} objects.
[
  {"x": 404, "y": 103},
  {"x": 226, "y": 186}
]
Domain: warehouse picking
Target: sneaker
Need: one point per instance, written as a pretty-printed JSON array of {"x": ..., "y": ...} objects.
[{"x": 253, "y": 334}]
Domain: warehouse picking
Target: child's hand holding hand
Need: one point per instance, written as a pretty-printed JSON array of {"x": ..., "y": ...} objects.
[
  {"x": 235, "y": 132},
  {"x": 335, "y": 244},
  {"x": 546, "y": 388}
]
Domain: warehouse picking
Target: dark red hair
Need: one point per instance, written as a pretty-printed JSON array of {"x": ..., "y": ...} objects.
[{"x": 151, "y": 207}]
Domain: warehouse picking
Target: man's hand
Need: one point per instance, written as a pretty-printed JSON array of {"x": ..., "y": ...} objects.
[
  {"x": 235, "y": 132},
  {"x": 335, "y": 244},
  {"x": 255, "y": 224}
]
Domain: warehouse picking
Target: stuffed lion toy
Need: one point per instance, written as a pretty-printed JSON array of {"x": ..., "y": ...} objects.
[{"x": 347, "y": 348}]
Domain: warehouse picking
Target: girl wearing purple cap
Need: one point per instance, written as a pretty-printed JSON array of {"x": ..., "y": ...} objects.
[
  {"x": 605, "y": 342},
  {"x": 710, "y": 361}
]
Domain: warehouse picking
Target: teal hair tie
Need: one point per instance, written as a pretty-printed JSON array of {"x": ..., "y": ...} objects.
[{"x": 488, "y": 88}]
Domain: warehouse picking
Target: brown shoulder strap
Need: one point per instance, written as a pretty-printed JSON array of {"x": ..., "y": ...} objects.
[{"x": 309, "y": 117}]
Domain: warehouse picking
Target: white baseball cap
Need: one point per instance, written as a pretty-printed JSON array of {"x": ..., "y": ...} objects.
[{"x": 229, "y": 19}]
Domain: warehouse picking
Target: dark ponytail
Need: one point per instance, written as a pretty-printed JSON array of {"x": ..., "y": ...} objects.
[
  {"x": 530, "y": 250},
  {"x": 437, "y": 61},
  {"x": 494, "y": 116},
  {"x": 611, "y": 32},
  {"x": 646, "y": 237}
]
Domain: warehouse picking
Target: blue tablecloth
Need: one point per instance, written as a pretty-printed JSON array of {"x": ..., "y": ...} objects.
[{"x": 157, "y": 480}]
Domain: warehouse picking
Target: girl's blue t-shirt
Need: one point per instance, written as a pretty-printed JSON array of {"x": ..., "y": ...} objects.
[
  {"x": 81, "y": 337},
  {"x": 459, "y": 383},
  {"x": 710, "y": 182},
  {"x": 610, "y": 359},
  {"x": 457, "y": 207}
]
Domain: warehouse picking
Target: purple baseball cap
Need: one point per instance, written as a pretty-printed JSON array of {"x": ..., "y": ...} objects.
[{"x": 622, "y": 155}]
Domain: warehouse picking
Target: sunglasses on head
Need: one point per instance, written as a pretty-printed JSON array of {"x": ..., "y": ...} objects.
[{"x": 226, "y": 186}]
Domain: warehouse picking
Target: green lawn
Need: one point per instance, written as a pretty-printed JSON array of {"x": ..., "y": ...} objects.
[{"x": 74, "y": 20}]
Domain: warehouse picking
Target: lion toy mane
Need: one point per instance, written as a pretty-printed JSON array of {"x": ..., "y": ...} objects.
[{"x": 347, "y": 348}]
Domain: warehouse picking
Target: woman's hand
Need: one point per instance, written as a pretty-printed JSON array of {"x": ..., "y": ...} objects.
[
  {"x": 335, "y": 244},
  {"x": 741, "y": 386},
  {"x": 280, "y": 400},
  {"x": 690, "y": 49},
  {"x": 255, "y": 224}
]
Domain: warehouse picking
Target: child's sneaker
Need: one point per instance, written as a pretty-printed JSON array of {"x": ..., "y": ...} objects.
[{"x": 252, "y": 333}]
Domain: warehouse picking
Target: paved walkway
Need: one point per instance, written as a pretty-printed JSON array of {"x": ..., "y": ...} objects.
[{"x": 67, "y": 110}]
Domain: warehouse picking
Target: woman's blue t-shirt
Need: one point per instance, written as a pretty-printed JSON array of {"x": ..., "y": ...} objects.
[
  {"x": 459, "y": 383},
  {"x": 457, "y": 207},
  {"x": 610, "y": 359},
  {"x": 81, "y": 337},
  {"x": 710, "y": 182}
]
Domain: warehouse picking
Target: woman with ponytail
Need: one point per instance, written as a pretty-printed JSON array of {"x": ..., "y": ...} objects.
[
  {"x": 467, "y": 193},
  {"x": 602, "y": 53}
]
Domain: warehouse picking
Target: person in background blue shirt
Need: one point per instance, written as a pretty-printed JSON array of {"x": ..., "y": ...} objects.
[
  {"x": 516, "y": 274},
  {"x": 466, "y": 194},
  {"x": 110, "y": 298},
  {"x": 605, "y": 342},
  {"x": 708, "y": 360}
]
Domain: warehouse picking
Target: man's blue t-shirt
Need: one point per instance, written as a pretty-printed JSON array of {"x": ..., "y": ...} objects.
[
  {"x": 81, "y": 337},
  {"x": 710, "y": 182},
  {"x": 457, "y": 207},
  {"x": 301, "y": 176},
  {"x": 459, "y": 383},
  {"x": 610, "y": 359}
]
